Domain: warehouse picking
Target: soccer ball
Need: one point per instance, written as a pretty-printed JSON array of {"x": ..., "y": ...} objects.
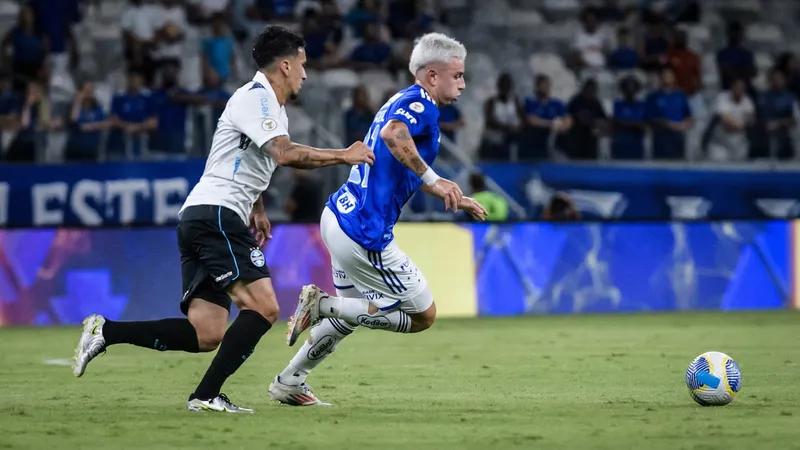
[{"x": 713, "y": 379}]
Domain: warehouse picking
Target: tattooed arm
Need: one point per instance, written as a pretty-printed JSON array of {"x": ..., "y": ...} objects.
[
  {"x": 397, "y": 137},
  {"x": 288, "y": 153}
]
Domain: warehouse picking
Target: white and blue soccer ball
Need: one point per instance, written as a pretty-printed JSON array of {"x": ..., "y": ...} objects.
[{"x": 713, "y": 379}]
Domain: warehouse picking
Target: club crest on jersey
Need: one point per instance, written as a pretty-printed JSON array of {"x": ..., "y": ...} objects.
[
  {"x": 417, "y": 107},
  {"x": 269, "y": 124},
  {"x": 257, "y": 257}
]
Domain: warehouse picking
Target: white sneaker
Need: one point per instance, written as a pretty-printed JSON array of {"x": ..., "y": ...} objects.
[
  {"x": 299, "y": 395},
  {"x": 91, "y": 343},
  {"x": 307, "y": 312},
  {"x": 220, "y": 403}
]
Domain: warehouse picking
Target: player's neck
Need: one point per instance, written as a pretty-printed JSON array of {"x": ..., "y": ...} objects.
[
  {"x": 281, "y": 89},
  {"x": 429, "y": 90}
]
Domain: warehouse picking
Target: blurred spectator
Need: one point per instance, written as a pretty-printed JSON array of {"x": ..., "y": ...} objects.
[
  {"x": 625, "y": 56},
  {"x": 734, "y": 61},
  {"x": 24, "y": 48},
  {"x": 10, "y": 107},
  {"x": 358, "y": 118},
  {"x": 685, "y": 63},
  {"x": 87, "y": 120},
  {"x": 35, "y": 121},
  {"x": 589, "y": 121},
  {"x": 272, "y": 10},
  {"x": 610, "y": 11},
  {"x": 362, "y": 14},
  {"x": 373, "y": 52},
  {"x": 168, "y": 104},
  {"x": 54, "y": 20},
  {"x": 218, "y": 49},
  {"x": 503, "y": 119},
  {"x": 590, "y": 42},
  {"x": 213, "y": 94},
  {"x": 788, "y": 64},
  {"x": 307, "y": 199},
  {"x": 655, "y": 46},
  {"x": 495, "y": 205},
  {"x": 170, "y": 31},
  {"x": 561, "y": 208},
  {"x": 450, "y": 120},
  {"x": 408, "y": 19},
  {"x": 323, "y": 35},
  {"x": 214, "y": 97},
  {"x": 670, "y": 116},
  {"x": 544, "y": 115},
  {"x": 630, "y": 121},
  {"x": 132, "y": 117},
  {"x": 139, "y": 25},
  {"x": 778, "y": 111},
  {"x": 204, "y": 11},
  {"x": 735, "y": 112}
]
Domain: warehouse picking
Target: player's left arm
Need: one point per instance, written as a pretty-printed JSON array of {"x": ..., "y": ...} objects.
[
  {"x": 397, "y": 137},
  {"x": 287, "y": 153}
]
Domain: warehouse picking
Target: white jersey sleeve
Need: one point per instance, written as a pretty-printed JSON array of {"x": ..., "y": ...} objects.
[{"x": 258, "y": 115}]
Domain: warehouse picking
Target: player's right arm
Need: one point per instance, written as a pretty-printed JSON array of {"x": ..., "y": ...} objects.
[
  {"x": 287, "y": 153},
  {"x": 396, "y": 136}
]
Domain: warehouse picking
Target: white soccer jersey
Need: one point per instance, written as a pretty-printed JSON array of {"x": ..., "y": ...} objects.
[{"x": 237, "y": 171}]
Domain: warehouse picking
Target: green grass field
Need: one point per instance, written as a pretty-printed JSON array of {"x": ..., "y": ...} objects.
[{"x": 545, "y": 382}]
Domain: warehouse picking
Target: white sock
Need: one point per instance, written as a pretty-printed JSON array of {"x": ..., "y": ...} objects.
[
  {"x": 322, "y": 341},
  {"x": 355, "y": 311}
]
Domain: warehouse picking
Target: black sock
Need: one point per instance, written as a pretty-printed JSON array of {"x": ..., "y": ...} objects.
[
  {"x": 165, "y": 334},
  {"x": 239, "y": 342}
]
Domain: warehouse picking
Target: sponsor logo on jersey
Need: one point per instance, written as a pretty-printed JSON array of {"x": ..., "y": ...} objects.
[
  {"x": 407, "y": 115},
  {"x": 257, "y": 257},
  {"x": 346, "y": 203},
  {"x": 223, "y": 276},
  {"x": 417, "y": 107},
  {"x": 269, "y": 124},
  {"x": 264, "y": 107},
  {"x": 372, "y": 295},
  {"x": 380, "y": 322},
  {"x": 321, "y": 348}
]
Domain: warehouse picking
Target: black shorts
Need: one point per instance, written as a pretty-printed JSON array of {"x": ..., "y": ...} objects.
[{"x": 216, "y": 250}]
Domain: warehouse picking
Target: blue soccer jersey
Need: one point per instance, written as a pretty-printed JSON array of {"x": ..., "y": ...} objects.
[{"x": 368, "y": 205}]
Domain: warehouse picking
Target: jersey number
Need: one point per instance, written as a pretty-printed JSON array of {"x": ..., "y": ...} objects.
[
  {"x": 360, "y": 174},
  {"x": 244, "y": 142}
]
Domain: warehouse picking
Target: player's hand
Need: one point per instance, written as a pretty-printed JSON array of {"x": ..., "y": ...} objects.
[
  {"x": 473, "y": 208},
  {"x": 447, "y": 191},
  {"x": 261, "y": 227},
  {"x": 358, "y": 153}
]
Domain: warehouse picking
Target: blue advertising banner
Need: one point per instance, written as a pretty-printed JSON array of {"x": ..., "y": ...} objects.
[
  {"x": 58, "y": 276},
  {"x": 638, "y": 192},
  {"x": 95, "y": 194}
]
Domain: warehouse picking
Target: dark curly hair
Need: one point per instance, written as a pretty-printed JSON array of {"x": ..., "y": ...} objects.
[{"x": 275, "y": 42}]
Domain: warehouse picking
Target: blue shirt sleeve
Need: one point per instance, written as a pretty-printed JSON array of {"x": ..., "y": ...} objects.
[
  {"x": 414, "y": 111},
  {"x": 559, "y": 108},
  {"x": 687, "y": 109}
]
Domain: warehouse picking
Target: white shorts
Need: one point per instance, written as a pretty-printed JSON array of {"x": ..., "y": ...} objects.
[{"x": 388, "y": 279}]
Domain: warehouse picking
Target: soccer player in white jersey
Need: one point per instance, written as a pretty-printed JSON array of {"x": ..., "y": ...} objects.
[
  {"x": 220, "y": 259},
  {"x": 377, "y": 285}
]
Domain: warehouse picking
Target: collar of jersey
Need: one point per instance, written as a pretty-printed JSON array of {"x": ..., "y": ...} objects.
[
  {"x": 261, "y": 78},
  {"x": 426, "y": 92}
]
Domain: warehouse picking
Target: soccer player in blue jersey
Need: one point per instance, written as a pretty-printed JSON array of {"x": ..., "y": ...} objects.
[{"x": 377, "y": 285}]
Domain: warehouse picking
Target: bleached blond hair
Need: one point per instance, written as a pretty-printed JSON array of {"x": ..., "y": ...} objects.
[{"x": 435, "y": 47}]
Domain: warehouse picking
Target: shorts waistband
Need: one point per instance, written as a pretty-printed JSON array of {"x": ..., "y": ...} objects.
[{"x": 206, "y": 212}]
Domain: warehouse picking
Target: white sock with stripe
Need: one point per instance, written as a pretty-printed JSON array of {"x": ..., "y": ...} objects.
[
  {"x": 322, "y": 341},
  {"x": 355, "y": 311}
]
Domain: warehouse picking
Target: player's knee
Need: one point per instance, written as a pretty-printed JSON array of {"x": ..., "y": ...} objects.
[
  {"x": 424, "y": 320},
  {"x": 209, "y": 337}
]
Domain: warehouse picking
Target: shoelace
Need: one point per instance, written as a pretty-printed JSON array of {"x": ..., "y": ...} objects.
[{"x": 225, "y": 399}]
